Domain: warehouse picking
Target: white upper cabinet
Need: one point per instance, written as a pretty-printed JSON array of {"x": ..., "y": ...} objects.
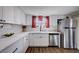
[
  {"x": 12, "y": 15},
  {"x": 29, "y": 19},
  {"x": 8, "y": 14},
  {"x": 22, "y": 18},
  {"x": 19, "y": 16},
  {"x": 0, "y": 13}
]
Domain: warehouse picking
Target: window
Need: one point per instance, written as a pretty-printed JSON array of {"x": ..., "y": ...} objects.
[{"x": 40, "y": 22}]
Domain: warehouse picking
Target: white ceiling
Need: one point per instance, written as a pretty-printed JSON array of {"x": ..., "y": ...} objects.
[{"x": 49, "y": 10}]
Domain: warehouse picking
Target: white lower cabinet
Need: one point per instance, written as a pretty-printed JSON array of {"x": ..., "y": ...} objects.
[
  {"x": 16, "y": 47},
  {"x": 37, "y": 39},
  {"x": 19, "y": 46}
]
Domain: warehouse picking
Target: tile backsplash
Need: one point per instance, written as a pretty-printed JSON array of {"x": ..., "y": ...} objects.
[{"x": 10, "y": 28}]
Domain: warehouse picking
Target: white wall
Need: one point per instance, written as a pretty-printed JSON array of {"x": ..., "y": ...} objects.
[
  {"x": 53, "y": 21},
  {"x": 10, "y": 28}
]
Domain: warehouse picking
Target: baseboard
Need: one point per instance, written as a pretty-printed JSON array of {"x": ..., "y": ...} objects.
[
  {"x": 37, "y": 46},
  {"x": 71, "y": 48},
  {"x": 52, "y": 46},
  {"x": 42, "y": 46}
]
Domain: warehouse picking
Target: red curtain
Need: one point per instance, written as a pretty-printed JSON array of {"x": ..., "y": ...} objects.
[
  {"x": 47, "y": 21},
  {"x": 40, "y": 18},
  {"x": 33, "y": 21}
]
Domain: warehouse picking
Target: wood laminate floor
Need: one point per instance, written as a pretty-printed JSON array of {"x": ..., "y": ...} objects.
[{"x": 50, "y": 50}]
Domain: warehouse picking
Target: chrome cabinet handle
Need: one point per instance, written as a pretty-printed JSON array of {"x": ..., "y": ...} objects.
[{"x": 15, "y": 50}]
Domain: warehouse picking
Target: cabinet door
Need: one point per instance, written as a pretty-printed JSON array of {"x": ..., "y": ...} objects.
[
  {"x": 39, "y": 40},
  {"x": 28, "y": 19},
  {"x": 19, "y": 45},
  {"x": 0, "y": 12},
  {"x": 43, "y": 39},
  {"x": 8, "y": 14},
  {"x": 34, "y": 42},
  {"x": 17, "y": 15},
  {"x": 25, "y": 43},
  {"x": 23, "y": 20}
]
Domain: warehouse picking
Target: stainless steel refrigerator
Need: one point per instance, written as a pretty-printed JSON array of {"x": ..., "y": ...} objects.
[{"x": 70, "y": 32}]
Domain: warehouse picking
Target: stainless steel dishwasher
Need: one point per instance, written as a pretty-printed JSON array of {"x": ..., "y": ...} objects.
[{"x": 53, "y": 39}]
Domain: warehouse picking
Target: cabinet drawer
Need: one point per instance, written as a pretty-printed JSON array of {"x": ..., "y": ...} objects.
[
  {"x": 38, "y": 35},
  {"x": 14, "y": 48}
]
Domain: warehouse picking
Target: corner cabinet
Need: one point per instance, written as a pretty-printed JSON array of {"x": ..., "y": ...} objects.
[{"x": 38, "y": 39}]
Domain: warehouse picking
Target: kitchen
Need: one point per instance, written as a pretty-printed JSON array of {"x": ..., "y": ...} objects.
[{"x": 30, "y": 28}]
